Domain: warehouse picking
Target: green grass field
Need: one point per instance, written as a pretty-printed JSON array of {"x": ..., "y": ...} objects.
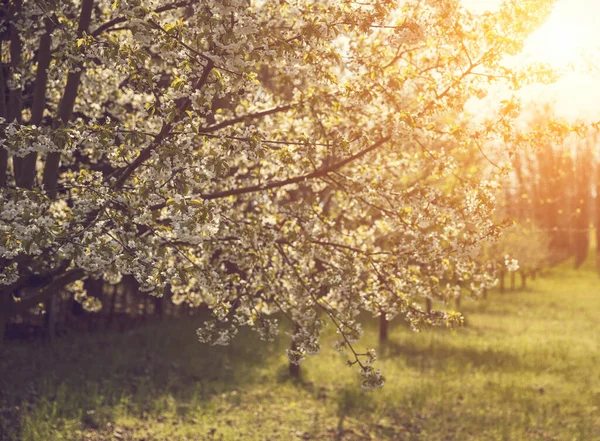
[{"x": 526, "y": 367}]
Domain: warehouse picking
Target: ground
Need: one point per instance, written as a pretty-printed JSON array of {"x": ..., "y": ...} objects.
[{"x": 525, "y": 367}]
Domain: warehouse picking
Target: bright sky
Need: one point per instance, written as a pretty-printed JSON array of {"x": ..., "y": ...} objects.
[{"x": 571, "y": 30}]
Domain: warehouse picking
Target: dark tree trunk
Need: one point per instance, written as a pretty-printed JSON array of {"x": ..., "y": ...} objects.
[
  {"x": 513, "y": 281},
  {"x": 3, "y": 114},
  {"x": 428, "y": 305},
  {"x": 113, "y": 303},
  {"x": 145, "y": 309},
  {"x": 523, "y": 280},
  {"x": 161, "y": 302},
  {"x": 50, "y": 317},
  {"x": 294, "y": 368},
  {"x": 14, "y": 108},
  {"x": 383, "y": 328},
  {"x": 65, "y": 108},
  {"x": 5, "y": 307},
  {"x": 26, "y": 165},
  {"x": 502, "y": 288},
  {"x": 94, "y": 288},
  {"x": 485, "y": 293}
]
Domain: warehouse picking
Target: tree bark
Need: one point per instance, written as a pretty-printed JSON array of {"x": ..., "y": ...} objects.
[
  {"x": 3, "y": 114},
  {"x": 50, "y": 317},
  {"x": 65, "y": 109},
  {"x": 5, "y": 308},
  {"x": 26, "y": 174},
  {"x": 94, "y": 288},
  {"x": 50, "y": 296},
  {"x": 145, "y": 309},
  {"x": 294, "y": 369},
  {"x": 113, "y": 303},
  {"x": 161, "y": 302},
  {"x": 502, "y": 288},
  {"x": 513, "y": 281},
  {"x": 383, "y": 328},
  {"x": 523, "y": 280},
  {"x": 14, "y": 95}
]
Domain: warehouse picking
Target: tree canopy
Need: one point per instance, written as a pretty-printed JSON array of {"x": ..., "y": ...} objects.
[{"x": 305, "y": 160}]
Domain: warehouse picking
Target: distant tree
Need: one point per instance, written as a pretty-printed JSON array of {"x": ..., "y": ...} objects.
[
  {"x": 552, "y": 186},
  {"x": 581, "y": 203},
  {"x": 255, "y": 157}
]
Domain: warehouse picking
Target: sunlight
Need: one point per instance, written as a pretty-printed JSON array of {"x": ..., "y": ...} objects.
[
  {"x": 568, "y": 41},
  {"x": 568, "y": 38},
  {"x": 565, "y": 40},
  {"x": 559, "y": 42}
]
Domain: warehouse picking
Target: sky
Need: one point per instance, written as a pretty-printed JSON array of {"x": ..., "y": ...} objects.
[{"x": 570, "y": 31}]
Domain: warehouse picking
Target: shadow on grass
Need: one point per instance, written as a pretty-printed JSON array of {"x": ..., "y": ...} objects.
[
  {"x": 144, "y": 372},
  {"x": 439, "y": 356}
]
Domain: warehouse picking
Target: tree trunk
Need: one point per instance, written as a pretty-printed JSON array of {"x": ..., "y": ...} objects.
[
  {"x": 161, "y": 302},
  {"x": 502, "y": 289},
  {"x": 428, "y": 305},
  {"x": 513, "y": 281},
  {"x": 26, "y": 165},
  {"x": 485, "y": 293},
  {"x": 581, "y": 205},
  {"x": 94, "y": 288},
  {"x": 50, "y": 317},
  {"x": 145, "y": 309},
  {"x": 113, "y": 303},
  {"x": 65, "y": 108},
  {"x": 383, "y": 328},
  {"x": 14, "y": 109},
  {"x": 3, "y": 114},
  {"x": 294, "y": 369},
  {"x": 5, "y": 307},
  {"x": 523, "y": 280},
  {"x": 598, "y": 218}
]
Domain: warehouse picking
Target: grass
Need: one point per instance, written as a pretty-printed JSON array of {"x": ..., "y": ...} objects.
[{"x": 524, "y": 368}]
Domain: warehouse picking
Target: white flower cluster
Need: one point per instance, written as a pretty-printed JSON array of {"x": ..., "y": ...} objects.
[{"x": 512, "y": 265}]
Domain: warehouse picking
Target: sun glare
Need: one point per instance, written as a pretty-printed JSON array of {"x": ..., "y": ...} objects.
[
  {"x": 567, "y": 35},
  {"x": 568, "y": 39},
  {"x": 558, "y": 43}
]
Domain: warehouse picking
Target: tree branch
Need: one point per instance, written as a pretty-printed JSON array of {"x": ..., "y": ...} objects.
[
  {"x": 239, "y": 119},
  {"x": 3, "y": 152},
  {"x": 164, "y": 132},
  {"x": 115, "y": 21},
  {"x": 65, "y": 110},
  {"x": 27, "y": 167},
  {"x": 282, "y": 183}
]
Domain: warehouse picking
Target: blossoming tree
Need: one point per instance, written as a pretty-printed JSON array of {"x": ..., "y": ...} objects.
[{"x": 291, "y": 159}]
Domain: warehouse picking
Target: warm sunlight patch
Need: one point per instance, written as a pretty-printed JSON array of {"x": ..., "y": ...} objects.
[
  {"x": 569, "y": 36},
  {"x": 558, "y": 42}
]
